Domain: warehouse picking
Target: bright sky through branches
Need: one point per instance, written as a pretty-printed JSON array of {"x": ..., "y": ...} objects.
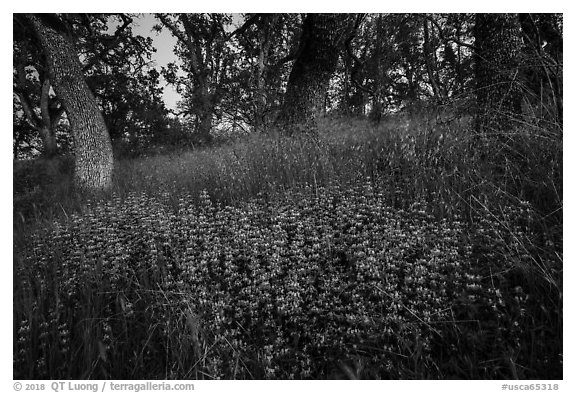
[{"x": 164, "y": 43}]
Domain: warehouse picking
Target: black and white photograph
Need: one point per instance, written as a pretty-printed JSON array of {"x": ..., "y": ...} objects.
[{"x": 287, "y": 196}]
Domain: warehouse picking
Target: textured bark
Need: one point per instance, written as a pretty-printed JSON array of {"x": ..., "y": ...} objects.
[
  {"x": 379, "y": 53},
  {"x": 206, "y": 108},
  {"x": 93, "y": 149},
  {"x": 50, "y": 149},
  {"x": 498, "y": 43},
  {"x": 322, "y": 36},
  {"x": 268, "y": 23}
]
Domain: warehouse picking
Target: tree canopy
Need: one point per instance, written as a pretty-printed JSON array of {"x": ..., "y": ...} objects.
[{"x": 238, "y": 73}]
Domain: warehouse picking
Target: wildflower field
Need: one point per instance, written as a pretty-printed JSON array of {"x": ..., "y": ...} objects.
[{"x": 389, "y": 252}]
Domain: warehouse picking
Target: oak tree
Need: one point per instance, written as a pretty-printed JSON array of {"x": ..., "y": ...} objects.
[
  {"x": 321, "y": 42},
  {"x": 92, "y": 147}
]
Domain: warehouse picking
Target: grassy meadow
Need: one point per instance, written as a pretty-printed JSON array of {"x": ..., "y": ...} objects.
[{"x": 411, "y": 249}]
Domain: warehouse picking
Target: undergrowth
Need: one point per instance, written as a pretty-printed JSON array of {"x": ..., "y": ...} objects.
[{"x": 409, "y": 250}]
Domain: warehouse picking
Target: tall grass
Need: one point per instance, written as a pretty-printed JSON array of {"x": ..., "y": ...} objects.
[
  {"x": 399, "y": 218},
  {"x": 417, "y": 158}
]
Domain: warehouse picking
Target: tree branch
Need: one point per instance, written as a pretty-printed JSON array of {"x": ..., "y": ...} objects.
[
  {"x": 294, "y": 53},
  {"x": 183, "y": 112},
  {"x": 245, "y": 26},
  {"x": 112, "y": 41},
  {"x": 57, "y": 116},
  {"x": 196, "y": 60},
  {"x": 44, "y": 101},
  {"x": 33, "y": 119},
  {"x": 448, "y": 39},
  {"x": 359, "y": 63},
  {"x": 172, "y": 27},
  {"x": 20, "y": 90}
]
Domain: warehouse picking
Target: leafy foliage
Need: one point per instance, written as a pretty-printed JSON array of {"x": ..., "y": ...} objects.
[{"x": 116, "y": 67}]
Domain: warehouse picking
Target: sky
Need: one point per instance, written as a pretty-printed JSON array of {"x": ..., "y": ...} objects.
[{"x": 164, "y": 43}]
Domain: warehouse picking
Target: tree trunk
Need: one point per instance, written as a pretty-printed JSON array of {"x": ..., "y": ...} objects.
[
  {"x": 205, "y": 123},
  {"x": 308, "y": 83},
  {"x": 377, "y": 109},
  {"x": 47, "y": 128},
  {"x": 42, "y": 124},
  {"x": 269, "y": 22},
  {"x": 345, "y": 90},
  {"x": 260, "y": 96},
  {"x": 49, "y": 146},
  {"x": 498, "y": 43},
  {"x": 431, "y": 66},
  {"x": 93, "y": 149},
  {"x": 377, "y": 103}
]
